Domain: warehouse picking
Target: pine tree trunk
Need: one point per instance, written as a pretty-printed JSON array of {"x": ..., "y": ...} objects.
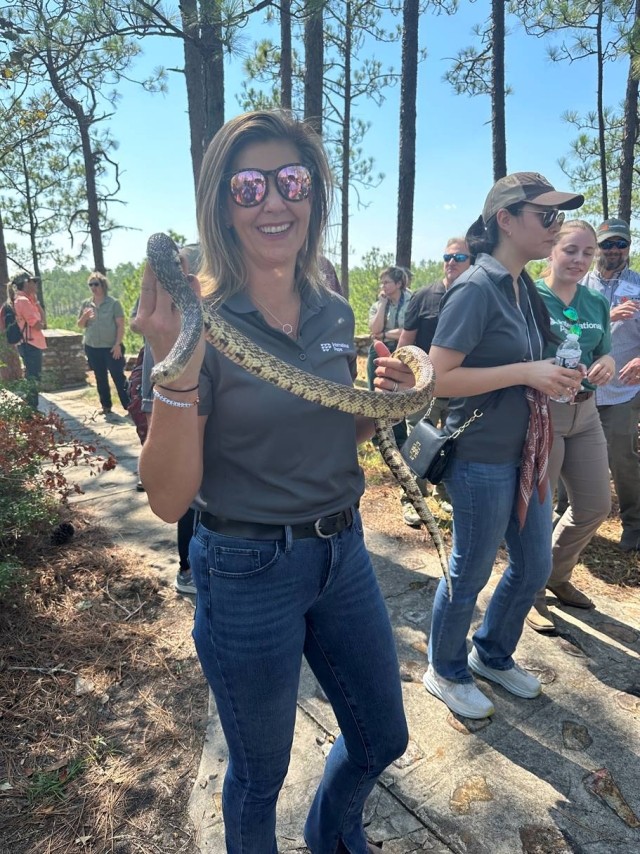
[
  {"x": 346, "y": 157},
  {"x": 314, "y": 65},
  {"x": 498, "y": 91},
  {"x": 630, "y": 130},
  {"x": 407, "y": 158},
  {"x": 286, "y": 71}
]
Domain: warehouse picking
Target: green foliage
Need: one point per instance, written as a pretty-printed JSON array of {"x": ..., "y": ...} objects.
[
  {"x": 64, "y": 291},
  {"x": 364, "y": 282},
  {"x": 50, "y": 785},
  {"x": 34, "y": 453}
]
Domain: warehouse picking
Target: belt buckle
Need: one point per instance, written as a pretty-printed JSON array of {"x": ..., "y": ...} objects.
[{"x": 321, "y": 534}]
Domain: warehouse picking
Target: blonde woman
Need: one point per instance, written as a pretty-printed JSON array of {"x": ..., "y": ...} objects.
[
  {"x": 579, "y": 450},
  {"x": 102, "y": 319}
]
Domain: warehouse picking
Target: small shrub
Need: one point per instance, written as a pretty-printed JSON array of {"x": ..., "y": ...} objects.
[{"x": 34, "y": 453}]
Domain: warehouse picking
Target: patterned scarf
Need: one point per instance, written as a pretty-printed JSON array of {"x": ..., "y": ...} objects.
[{"x": 535, "y": 453}]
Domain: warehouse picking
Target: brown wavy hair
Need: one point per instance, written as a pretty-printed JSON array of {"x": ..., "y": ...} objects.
[{"x": 222, "y": 269}]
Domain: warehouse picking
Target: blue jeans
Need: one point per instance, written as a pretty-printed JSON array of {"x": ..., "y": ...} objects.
[
  {"x": 102, "y": 364},
  {"x": 261, "y": 606},
  {"x": 32, "y": 358},
  {"x": 484, "y": 497}
]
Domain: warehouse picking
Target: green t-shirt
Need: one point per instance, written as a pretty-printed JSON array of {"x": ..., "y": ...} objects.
[{"x": 593, "y": 319}]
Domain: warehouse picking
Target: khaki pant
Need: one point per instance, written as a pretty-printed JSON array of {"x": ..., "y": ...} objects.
[
  {"x": 620, "y": 424},
  {"x": 579, "y": 454}
]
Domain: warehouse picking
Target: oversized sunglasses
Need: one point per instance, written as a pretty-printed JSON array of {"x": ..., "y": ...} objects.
[
  {"x": 548, "y": 218},
  {"x": 614, "y": 244},
  {"x": 571, "y": 314},
  {"x": 248, "y": 187},
  {"x": 458, "y": 257},
  {"x": 95, "y": 284}
]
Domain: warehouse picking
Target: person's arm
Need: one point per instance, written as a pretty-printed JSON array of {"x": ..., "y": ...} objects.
[
  {"x": 376, "y": 319},
  {"x": 29, "y": 313},
  {"x": 85, "y": 315},
  {"x": 454, "y": 380},
  {"x": 391, "y": 375},
  {"x": 171, "y": 462},
  {"x": 116, "y": 350},
  {"x": 407, "y": 337}
]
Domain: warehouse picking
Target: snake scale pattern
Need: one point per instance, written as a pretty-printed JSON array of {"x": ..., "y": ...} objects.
[{"x": 164, "y": 259}]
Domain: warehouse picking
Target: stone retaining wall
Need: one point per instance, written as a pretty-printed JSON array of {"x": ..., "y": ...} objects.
[{"x": 64, "y": 363}]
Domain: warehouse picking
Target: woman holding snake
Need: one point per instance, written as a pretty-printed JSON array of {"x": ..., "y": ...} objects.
[
  {"x": 278, "y": 558},
  {"x": 488, "y": 356}
]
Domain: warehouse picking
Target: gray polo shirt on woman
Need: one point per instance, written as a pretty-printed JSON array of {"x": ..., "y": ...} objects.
[
  {"x": 270, "y": 456},
  {"x": 479, "y": 316}
]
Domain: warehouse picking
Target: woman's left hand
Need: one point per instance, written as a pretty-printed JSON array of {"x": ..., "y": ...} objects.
[
  {"x": 116, "y": 351},
  {"x": 602, "y": 371},
  {"x": 391, "y": 373}
]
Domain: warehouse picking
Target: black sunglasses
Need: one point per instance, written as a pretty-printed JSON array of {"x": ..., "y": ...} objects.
[
  {"x": 248, "y": 187},
  {"x": 459, "y": 257},
  {"x": 614, "y": 244},
  {"x": 95, "y": 284},
  {"x": 548, "y": 218}
]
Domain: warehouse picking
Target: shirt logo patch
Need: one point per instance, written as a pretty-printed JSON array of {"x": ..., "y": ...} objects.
[{"x": 337, "y": 347}]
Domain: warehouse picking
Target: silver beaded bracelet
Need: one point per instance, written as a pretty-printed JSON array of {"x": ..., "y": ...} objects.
[{"x": 179, "y": 404}]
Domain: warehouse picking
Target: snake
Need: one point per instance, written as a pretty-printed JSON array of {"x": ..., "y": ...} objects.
[{"x": 164, "y": 259}]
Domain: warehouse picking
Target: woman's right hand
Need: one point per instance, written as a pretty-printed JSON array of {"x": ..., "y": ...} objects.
[
  {"x": 158, "y": 320},
  {"x": 552, "y": 379},
  {"x": 87, "y": 315}
]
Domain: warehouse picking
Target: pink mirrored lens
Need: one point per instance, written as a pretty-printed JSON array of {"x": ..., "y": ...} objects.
[
  {"x": 294, "y": 182},
  {"x": 248, "y": 187}
]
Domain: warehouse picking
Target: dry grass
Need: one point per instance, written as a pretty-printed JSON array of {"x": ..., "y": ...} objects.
[
  {"x": 102, "y": 704},
  {"x": 603, "y": 568}
]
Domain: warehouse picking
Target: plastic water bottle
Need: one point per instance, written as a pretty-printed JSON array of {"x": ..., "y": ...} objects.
[{"x": 568, "y": 355}]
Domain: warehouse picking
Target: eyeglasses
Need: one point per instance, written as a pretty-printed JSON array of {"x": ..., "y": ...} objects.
[
  {"x": 248, "y": 187},
  {"x": 95, "y": 284},
  {"x": 548, "y": 218},
  {"x": 614, "y": 244},
  {"x": 571, "y": 314},
  {"x": 458, "y": 257}
]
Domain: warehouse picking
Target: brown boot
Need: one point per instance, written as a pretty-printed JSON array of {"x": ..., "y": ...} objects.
[
  {"x": 567, "y": 594},
  {"x": 539, "y": 618}
]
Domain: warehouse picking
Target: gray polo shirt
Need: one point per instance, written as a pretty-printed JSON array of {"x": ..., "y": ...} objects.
[
  {"x": 479, "y": 316},
  {"x": 270, "y": 456}
]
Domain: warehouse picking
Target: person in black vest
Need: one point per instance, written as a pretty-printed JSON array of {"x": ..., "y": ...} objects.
[{"x": 420, "y": 320}]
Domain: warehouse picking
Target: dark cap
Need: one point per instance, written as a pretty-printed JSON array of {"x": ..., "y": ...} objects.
[
  {"x": 21, "y": 279},
  {"x": 527, "y": 187},
  {"x": 613, "y": 228}
]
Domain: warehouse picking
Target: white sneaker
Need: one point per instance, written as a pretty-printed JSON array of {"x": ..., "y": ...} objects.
[
  {"x": 463, "y": 698},
  {"x": 514, "y": 680}
]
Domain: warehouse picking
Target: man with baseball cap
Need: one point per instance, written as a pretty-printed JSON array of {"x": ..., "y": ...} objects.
[{"x": 619, "y": 401}]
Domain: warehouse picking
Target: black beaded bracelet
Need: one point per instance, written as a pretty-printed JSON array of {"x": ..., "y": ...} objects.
[{"x": 177, "y": 390}]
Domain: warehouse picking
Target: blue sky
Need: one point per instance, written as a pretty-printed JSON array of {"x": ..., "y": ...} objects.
[{"x": 454, "y": 171}]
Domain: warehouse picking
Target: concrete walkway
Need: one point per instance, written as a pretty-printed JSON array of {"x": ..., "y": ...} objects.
[{"x": 560, "y": 773}]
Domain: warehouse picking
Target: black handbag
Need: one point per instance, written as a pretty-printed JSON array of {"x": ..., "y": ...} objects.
[{"x": 428, "y": 449}]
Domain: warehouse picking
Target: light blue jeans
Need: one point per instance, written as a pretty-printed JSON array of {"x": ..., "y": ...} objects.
[
  {"x": 261, "y": 606},
  {"x": 484, "y": 497}
]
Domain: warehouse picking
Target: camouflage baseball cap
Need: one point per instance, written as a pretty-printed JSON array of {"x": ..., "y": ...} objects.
[{"x": 527, "y": 187}]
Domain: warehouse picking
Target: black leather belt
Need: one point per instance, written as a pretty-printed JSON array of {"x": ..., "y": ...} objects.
[
  {"x": 581, "y": 397},
  {"x": 324, "y": 528}
]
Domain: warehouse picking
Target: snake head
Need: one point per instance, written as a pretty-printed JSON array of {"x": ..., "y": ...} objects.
[{"x": 164, "y": 258}]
